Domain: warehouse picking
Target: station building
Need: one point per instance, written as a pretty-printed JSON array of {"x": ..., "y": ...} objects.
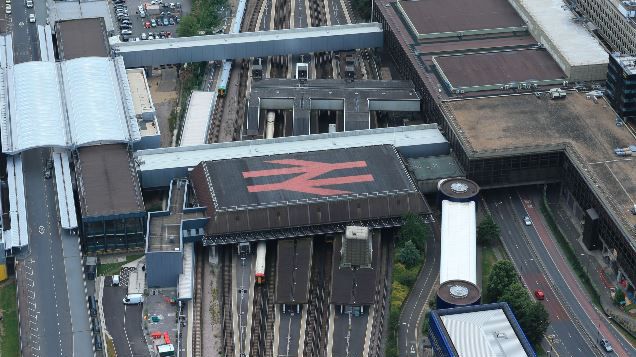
[{"x": 621, "y": 84}]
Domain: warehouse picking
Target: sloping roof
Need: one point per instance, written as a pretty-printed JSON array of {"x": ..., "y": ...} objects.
[
  {"x": 93, "y": 101},
  {"x": 37, "y": 114},
  {"x": 458, "y": 243}
]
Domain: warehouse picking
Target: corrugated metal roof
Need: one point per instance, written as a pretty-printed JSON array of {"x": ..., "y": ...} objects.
[
  {"x": 458, "y": 259},
  {"x": 37, "y": 113},
  {"x": 195, "y": 127},
  {"x": 185, "y": 283},
  {"x": 93, "y": 101},
  {"x": 18, "y": 235},
  {"x": 483, "y": 333}
]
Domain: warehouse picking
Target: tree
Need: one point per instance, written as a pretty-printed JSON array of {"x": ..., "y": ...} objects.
[
  {"x": 517, "y": 297},
  {"x": 487, "y": 231},
  {"x": 535, "y": 322},
  {"x": 619, "y": 296},
  {"x": 409, "y": 255},
  {"x": 501, "y": 276},
  {"x": 414, "y": 230},
  {"x": 188, "y": 26},
  {"x": 403, "y": 275}
]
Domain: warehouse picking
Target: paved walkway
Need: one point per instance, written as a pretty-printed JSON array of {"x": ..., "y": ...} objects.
[{"x": 592, "y": 261}]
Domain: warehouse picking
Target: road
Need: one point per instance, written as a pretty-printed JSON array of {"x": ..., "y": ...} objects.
[
  {"x": 25, "y": 34},
  {"x": 507, "y": 212},
  {"x": 593, "y": 321},
  {"x": 123, "y": 322},
  {"x": 47, "y": 331},
  {"x": 411, "y": 316},
  {"x": 510, "y": 208},
  {"x": 242, "y": 302}
]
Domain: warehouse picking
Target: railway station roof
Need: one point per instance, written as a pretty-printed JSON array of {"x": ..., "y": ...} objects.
[
  {"x": 292, "y": 270},
  {"x": 354, "y": 286},
  {"x": 307, "y": 189}
]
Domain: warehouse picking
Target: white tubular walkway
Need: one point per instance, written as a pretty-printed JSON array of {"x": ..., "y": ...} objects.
[
  {"x": 18, "y": 235},
  {"x": 458, "y": 259}
]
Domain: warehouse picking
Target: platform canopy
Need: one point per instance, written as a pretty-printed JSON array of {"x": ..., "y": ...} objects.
[{"x": 36, "y": 110}]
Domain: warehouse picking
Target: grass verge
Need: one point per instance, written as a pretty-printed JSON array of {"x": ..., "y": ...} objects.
[
  {"x": 113, "y": 268},
  {"x": 9, "y": 335},
  {"x": 569, "y": 253},
  {"x": 111, "y": 347},
  {"x": 488, "y": 259}
]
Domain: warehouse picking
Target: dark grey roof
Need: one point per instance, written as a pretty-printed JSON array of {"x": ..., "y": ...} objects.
[
  {"x": 353, "y": 286},
  {"x": 108, "y": 183},
  {"x": 292, "y": 270},
  {"x": 82, "y": 38}
]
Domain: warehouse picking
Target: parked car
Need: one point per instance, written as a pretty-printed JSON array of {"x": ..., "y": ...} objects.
[
  {"x": 527, "y": 221},
  {"x": 147, "y": 24},
  {"x": 29, "y": 3},
  {"x": 126, "y": 32},
  {"x": 539, "y": 294},
  {"x": 7, "y": 9},
  {"x": 165, "y": 21},
  {"x": 606, "y": 345},
  {"x": 115, "y": 280},
  {"x": 144, "y": 36},
  {"x": 153, "y": 23},
  {"x": 133, "y": 299},
  {"x": 171, "y": 21},
  {"x": 150, "y": 36},
  {"x": 31, "y": 18}
]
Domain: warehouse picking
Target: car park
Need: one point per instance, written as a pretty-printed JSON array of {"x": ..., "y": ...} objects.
[
  {"x": 539, "y": 294},
  {"x": 606, "y": 345}
]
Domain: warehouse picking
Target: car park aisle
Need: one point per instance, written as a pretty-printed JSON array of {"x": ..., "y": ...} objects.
[{"x": 137, "y": 28}]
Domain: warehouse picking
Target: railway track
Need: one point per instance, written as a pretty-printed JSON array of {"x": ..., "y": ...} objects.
[
  {"x": 262, "y": 338},
  {"x": 226, "y": 303},
  {"x": 198, "y": 303},
  {"x": 315, "y": 344},
  {"x": 381, "y": 298}
]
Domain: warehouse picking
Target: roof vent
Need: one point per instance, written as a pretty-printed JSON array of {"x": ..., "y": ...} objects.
[
  {"x": 459, "y": 187},
  {"x": 501, "y": 335},
  {"x": 458, "y": 291}
]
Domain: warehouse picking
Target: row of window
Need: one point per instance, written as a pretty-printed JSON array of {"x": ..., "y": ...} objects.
[{"x": 614, "y": 26}]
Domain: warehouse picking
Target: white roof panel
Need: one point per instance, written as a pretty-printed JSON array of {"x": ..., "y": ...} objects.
[
  {"x": 572, "y": 39},
  {"x": 37, "y": 114},
  {"x": 483, "y": 333},
  {"x": 185, "y": 285},
  {"x": 65, "y": 200},
  {"x": 94, "y": 102},
  {"x": 195, "y": 127},
  {"x": 458, "y": 259},
  {"x": 406, "y": 136}
]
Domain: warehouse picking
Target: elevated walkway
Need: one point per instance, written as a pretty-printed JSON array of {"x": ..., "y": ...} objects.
[{"x": 249, "y": 44}]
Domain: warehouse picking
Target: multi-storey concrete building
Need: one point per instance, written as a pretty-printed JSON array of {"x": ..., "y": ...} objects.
[
  {"x": 615, "y": 20},
  {"x": 621, "y": 84}
]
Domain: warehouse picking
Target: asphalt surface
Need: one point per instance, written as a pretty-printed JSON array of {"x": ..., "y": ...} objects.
[
  {"x": 25, "y": 34},
  {"x": 47, "y": 331},
  {"x": 289, "y": 333},
  {"x": 123, "y": 322},
  {"x": 411, "y": 317},
  {"x": 592, "y": 320},
  {"x": 508, "y": 213},
  {"x": 349, "y": 334},
  {"x": 138, "y": 22}
]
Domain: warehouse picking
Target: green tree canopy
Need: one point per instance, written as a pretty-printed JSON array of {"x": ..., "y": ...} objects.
[
  {"x": 619, "y": 296},
  {"x": 517, "y": 297},
  {"x": 403, "y": 275},
  {"x": 409, "y": 255},
  {"x": 487, "y": 231},
  {"x": 188, "y": 26},
  {"x": 415, "y": 230},
  {"x": 535, "y": 321},
  {"x": 501, "y": 276}
]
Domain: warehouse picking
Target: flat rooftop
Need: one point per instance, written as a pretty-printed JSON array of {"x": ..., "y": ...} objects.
[
  {"x": 353, "y": 286},
  {"x": 307, "y": 177},
  {"x": 142, "y": 102},
  {"x": 523, "y": 121},
  {"x": 496, "y": 68},
  {"x": 627, "y": 62},
  {"x": 434, "y": 17},
  {"x": 292, "y": 270},
  {"x": 107, "y": 180},
  {"x": 82, "y": 38}
]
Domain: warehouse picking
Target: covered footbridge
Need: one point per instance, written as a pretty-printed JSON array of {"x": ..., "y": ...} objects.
[{"x": 249, "y": 44}]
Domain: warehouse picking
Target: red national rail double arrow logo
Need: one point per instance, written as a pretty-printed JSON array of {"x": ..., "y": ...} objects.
[{"x": 306, "y": 181}]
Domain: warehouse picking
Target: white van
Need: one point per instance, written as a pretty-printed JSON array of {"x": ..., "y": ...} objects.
[
  {"x": 115, "y": 280},
  {"x": 133, "y": 299}
]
